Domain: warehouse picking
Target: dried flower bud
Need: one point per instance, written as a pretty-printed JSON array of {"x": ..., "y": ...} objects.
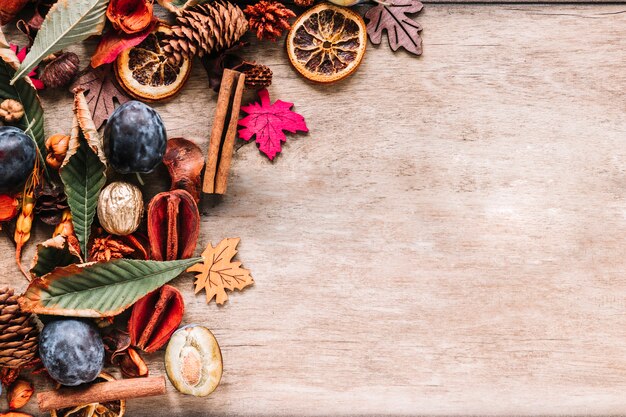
[
  {"x": 19, "y": 393},
  {"x": 11, "y": 111},
  {"x": 61, "y": 70},
  {"x": 120, "y": 208},
  {"x": 56, "y": 148}
]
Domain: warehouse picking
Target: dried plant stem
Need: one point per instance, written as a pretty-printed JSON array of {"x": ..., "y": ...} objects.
[{"x": 25, "y": 219}]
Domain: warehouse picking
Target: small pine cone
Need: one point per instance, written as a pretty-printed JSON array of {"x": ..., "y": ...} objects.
[
  {"x": 269, "y": 19},
  {"x": 19, "y": 333},
  {"x": 205, "y": 29},
  {"x": 51, "y": 203},
  {"x": 304, "y": 3},
  {"x": 258, "y": 76}
]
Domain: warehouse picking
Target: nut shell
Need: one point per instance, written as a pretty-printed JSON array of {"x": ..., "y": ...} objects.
[{"x": 120, "y": 208}]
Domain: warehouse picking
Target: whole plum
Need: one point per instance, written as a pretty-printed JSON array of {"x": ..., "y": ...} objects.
[
  {"x": 72, "y": 351},
  {"x": 17, "y": 158},
  {"x": 135, "y": 138}
]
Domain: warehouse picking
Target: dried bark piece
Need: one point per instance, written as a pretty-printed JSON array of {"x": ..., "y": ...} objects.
[
  {"x": 184, "y": 162},
  {"x": 155, "y": 317},
  {"x": 173, "y": 225},
  {"x": 392, "y": 17}
]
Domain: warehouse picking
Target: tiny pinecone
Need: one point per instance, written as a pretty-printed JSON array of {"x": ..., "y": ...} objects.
[
  {"x": 205, "y": 29},
  {"x": 258, "y": 76},
  {"x": 269, "y": 19},
  {"x": 51, "y": 202},
  {"x": 303, "y": 3},
  {"x": 19, "y": 333}
]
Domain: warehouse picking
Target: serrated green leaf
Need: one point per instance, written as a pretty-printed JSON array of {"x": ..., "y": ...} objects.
[
  {"x": 83, "y": 177},
  {"x": 24, "y": 92},
  {"x": 67, "y": 23},
  {"x": 99, "y": 289},
  {"x": 51, "y": 254}
]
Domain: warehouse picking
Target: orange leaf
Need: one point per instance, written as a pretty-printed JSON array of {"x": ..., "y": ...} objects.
[{"x": 217, "y": 273}]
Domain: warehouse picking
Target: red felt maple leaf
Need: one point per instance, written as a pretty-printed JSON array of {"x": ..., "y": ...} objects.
[{"x": 268, "y": 121}]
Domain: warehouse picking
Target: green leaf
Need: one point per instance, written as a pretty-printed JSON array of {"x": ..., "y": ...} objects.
[
  {"x": 83, "y": 177},
  {"x": 51, "y": 254},
  {"x": 99, "y": 289},
  {"x": 67, "y": 23},
  {"x": 24, "y": 92}
]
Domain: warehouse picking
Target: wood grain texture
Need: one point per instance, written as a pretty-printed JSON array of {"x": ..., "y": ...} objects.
[{"x": 449, "y": 237}]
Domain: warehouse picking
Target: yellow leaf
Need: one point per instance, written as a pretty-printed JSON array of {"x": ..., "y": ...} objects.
[{"x": 217, "y": 273}]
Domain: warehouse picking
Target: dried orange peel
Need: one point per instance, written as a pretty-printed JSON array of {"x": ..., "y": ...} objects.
[
  {"x": 327, "y": 43},
  {"x": 146, "y": 73}
]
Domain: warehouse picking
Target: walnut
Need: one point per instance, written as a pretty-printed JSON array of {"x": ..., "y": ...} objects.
[
  {"x": 11, "y": 111},
  {"x": 60, "y": 71}
]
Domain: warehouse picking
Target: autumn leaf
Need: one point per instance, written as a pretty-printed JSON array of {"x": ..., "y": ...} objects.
[
  {"x": 114, "y": 43},
  {"x": 217, "y": 273},
  {"x": 100, "y": 92},
  {"x": 392, "y": 17},
  {"x": 267, "y": 121}
]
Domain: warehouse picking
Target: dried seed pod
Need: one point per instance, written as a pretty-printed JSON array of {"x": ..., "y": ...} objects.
[
  {"x": 173, "y": 225},
  {"x": 19, "y": 394},
  {"x": 61, "y": 70},
  {"x": 8, "y": 207},
  {"x": 120, "y": 208},
  {"x": 155, "y": 317},
  {"x": 131, "y": 363},
  {"x": 184, "y": 161},
  {"x": 11, "y": 111},
  {"x": 56, "y": 148}
]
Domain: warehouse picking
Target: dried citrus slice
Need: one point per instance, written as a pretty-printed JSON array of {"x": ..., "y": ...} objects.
[
  {"x": 145, "y": 72},
  {"x": 327, "y": 43},
  {"x": 108, "y": 409}
]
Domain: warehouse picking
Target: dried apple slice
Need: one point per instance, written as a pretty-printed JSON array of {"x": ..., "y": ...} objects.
[{"x": 193, "y": 361}]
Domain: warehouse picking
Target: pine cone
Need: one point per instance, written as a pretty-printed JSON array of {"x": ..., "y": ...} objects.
[
  {"x": 303, "y": 3},
  {"x": 18, "y": 332},
  {"x": 205, "y": 29},
  {"x": 269, "y": 19},
  {"x": 51, "y": 202},
  {"x": 258, "y": 76}
]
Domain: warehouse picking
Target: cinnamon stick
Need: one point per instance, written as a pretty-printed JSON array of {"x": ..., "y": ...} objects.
[
  {"x": 223, "y": 132},
  {"x": 101, "y": 392}
]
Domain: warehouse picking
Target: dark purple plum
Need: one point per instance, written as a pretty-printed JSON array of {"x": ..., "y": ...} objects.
[
  {"x": 135, "y": 138},
  {"x": 72, "y": 351},
  {"x": 17, "y": 158}
]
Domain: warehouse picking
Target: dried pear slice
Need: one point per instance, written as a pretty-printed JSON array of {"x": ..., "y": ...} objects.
[{"x": 193, "y": 361}]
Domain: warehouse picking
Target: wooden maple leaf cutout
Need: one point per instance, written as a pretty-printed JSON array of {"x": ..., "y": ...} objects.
[{"x": 217, "y": 273}]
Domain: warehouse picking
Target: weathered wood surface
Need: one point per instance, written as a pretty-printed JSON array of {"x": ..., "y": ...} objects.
[{"x": 449, "y": 238}]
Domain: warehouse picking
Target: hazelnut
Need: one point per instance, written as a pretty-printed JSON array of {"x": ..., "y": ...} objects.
[
  {"x": 60, "y": 71},
  {"x": 11, "y": 111},
  {"x": 56, "y": 148}
]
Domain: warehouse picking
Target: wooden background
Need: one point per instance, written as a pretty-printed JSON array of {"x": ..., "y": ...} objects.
[{"x": 450, "y": 237}]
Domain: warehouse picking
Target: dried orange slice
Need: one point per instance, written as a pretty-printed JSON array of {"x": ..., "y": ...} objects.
[
  {"x": 327, "y": 43},
  {"x": 146, "y": 73},
  {"x": 108, "y": 409}
]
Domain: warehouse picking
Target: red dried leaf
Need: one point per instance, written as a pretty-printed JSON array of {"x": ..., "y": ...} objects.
[
  {"x": 267, "y": 121},
  {"x": 21, "y": 55},
  {"x": 392, "y": 17},
  {"x": 114, "y": 43},
  {"x": 130, "y": 16}
]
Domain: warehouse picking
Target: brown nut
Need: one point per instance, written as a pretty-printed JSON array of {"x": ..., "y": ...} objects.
[
  {"x": 56, "y": 148},
  {"x": 11, "y": 111},
  {"x": 120, "y": 208},
  {"x": 173, "y": 225},
  {"x": 184, "y": 161},
  {"x": 19, "y": 393},
  {"x": 61, "y": 70}
]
